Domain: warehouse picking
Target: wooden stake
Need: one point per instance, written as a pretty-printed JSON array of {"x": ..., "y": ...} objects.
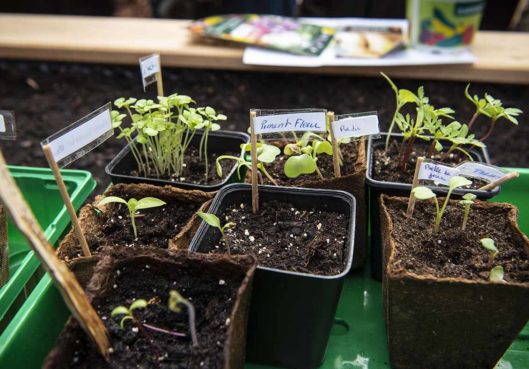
[
  {"x": 335, "y": 148},
  {"x": 66, "y": 199},
  {"x": 64, "y": 279},
  {"x": 415, "y": 183},
  {"x": 4, "y": 250},
  {"x": 255, "y": 187},
  {"x": 500, "y": 181},
  {"x": 159, "y": 82}
]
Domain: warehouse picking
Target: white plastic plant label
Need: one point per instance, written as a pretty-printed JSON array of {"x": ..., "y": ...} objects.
[
  {"x": 7, "y": 125},
  {"x": 486, "y": 172},
  {"x": 355, "y": 126},
  {"x": 81, "y": 137},
  {"x": 294, "y": 121},
  {"x": 150, "y": 67},
  {"x": 437, "y": 172}
]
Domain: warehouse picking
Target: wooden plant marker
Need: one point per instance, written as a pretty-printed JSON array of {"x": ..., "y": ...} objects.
[
  {"x": 415, "y": 183},
  {"x": 151, "y": 70},
  {"x": 63, "y": 278},
  {"x": 335, "y": 148},
  {"x": 255, "y": 186},
  {"x": 500, "y": 181}
]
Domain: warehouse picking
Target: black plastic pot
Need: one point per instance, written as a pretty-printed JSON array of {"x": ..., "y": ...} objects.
[
  {"x": 219, "y": 142},
  {"x": 377, "y": 187},
  {"x": 291, "y": 314}
]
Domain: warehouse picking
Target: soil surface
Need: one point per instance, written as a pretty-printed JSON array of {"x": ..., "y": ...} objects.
[
  {"x": 155, "y": 226},
  {"x": 325, "y": 164},
  {"x": 48, "y": 96},
  {"x": 386, "y": 168},
  {"x": 213, "y": 299},
  {"x": 194, "y": 169},
  {"x": 287, "y": 238},
  {"x": 452, "y": 252}
]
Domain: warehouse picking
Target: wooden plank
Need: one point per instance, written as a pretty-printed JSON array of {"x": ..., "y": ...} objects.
[{"x": 503, "y": 57}]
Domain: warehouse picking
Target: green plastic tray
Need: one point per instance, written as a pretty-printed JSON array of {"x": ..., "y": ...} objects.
[
  {"x": 357, "y": 341},
  {"x": 39, "y": 188}
]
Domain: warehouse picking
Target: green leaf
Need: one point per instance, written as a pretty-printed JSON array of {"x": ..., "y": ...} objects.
[
  {"x": 138, "y": 304},
  {"x": 322, "y": 147},
  {"x": 291, "y": 149},
  {"x": 149, "y": 202},
  {"x": 458, "y": 181},
  {"x": 489, "y": 244},
  {"x": 423, "y": 193},
  {"x": 111, "y": 199},
  {"x": 210, "y": 219},
  {"x": 120, "y": 310},
  {"x": 124, "y": 319},
  {"x": 438, "y": 146},
  {"x": 150, "y": 131},
  {"x": 268, "y": 153},
  {"x": 298, "y": 165},
  {"x": 496, "y": 274},
  {"x": 469, "y": 196},
  {"x": 406, "y": 96}
]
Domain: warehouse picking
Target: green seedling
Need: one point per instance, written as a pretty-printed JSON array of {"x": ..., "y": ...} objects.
[
  {"x": 490, "y": 246},
  {"x": 128, "y": 314},
  {"x": 303, "y": 155},
  {"x": 424, "y": 193},
  {"x": 496, "y": 274},
  {"x": 468, "y": 200},
  {"x": 214, "y": 221},
  {"x": 491, "y": 108},
  {"x": 133, "y": 205},
  {"x": 175, "y": 301},
  {"x": 266, "y": 154}
]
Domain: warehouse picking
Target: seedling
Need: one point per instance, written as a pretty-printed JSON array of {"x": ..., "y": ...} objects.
[
  {"x": 496, "y": 274},
  {"x": 304, "y": 155},
  {"x": 175, "y": 300},
  {"x": 424, "y": 193},
  {"x": 214, "y": 221},
  {"x": 134, "y": 205},
  {"x": 468, "y": 200},
  {"x": 128, "y": 314},
  {"x": 265, "y": 154},
  {"x": 490, "y": 246}
]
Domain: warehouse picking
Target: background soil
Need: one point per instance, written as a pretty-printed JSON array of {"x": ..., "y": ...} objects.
[{"x": 49, "y": 96}]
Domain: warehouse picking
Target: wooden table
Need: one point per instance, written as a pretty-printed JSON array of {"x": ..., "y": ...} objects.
[{"x": 502, "y": 57}]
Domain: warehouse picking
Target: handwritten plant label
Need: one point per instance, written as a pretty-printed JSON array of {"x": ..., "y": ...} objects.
[
  {"x": 355, "y": 126},
  {"x": 486, "y": 172},
  {"x": 150, "y": 67},
  {"x": 297, "y": 122},
  {"x": 436, "y": 172},
  {"x": 7, "y": 125},
  {"x": 81, "y": 137}
]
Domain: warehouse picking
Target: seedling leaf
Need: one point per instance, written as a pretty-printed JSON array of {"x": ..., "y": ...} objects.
[
  {"x": 496, "y": 274},
  {"x": 120, "y": 310},
  {"x": 458, "y": 181},
  {"x": 149, "y": 202},
  {"x": 489, "y": 244},
  {"x": 110, "y": 199},
  {"x": 298, "y": 165},
  {"x": 138, "y": 304},
  {"x": 210, "y": 219},
  {"x": 423, "y": 193}
]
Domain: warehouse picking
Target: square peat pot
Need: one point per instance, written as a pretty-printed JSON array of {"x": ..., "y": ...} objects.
[
  {"x": 219, "y": 142},
  {"x": 292, "y": 313},
  {"x": 377, "y": 187},
  {"x": 154, "y": 273},
  {"x": 440, "y": 322}
]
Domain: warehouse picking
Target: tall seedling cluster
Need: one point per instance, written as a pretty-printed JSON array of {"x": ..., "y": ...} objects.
[{"x": 164, "y": 131}]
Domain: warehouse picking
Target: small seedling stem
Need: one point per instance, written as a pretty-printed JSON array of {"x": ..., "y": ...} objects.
[{"x": 255, "y": 188}]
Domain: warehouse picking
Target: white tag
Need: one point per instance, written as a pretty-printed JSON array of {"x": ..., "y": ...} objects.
[
  {"x": 2, "y": 124},
  {"x": 437, "y": 172},
  {"x": 479, "y": 170},
  {"x": 355, "y": 126},
  {"x": 8, "y": 129},
  {"x": 150, "y": 65},
  {"x": 297, "y": 122},
  {"x": 74, "y": 141}
]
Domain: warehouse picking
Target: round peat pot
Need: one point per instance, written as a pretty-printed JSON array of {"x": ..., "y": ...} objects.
[
  {"x": 377, "y": 187},
  {"x": 292, "y": 313},
  {"x": 219, "y": 142}
]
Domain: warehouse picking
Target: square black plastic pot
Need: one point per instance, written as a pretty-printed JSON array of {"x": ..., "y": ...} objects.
[
  {"x": 377, "y": 187},
  {"x": 218, "y": 142},
  {"x": 291, "y": 314}
]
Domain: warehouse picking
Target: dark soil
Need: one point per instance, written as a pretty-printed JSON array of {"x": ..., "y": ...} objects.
[
  {"x": 452, "y": 252},
  {"x": 213, "y": 299},
  {"x": 325, "y": 164},
  {"x": 49, "y": 96},
  {"x": 283, "y": 237},
  {"x": 386, "y": 165},
  {"x": 194, "y": 168},
  {"x": 155, "y": 226}
]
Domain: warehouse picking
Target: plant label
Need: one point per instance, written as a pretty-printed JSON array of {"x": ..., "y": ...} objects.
[
  {"x": 150, "y": 68},
  {"x": 288, "y": 122},
  {"x": 486, "y": 172},
  {"x": 436, "y": 172},
  {"x": 7, "y": 125},
  {"x": 81, "y": 137},
  {"x": 355, "y": 126}
]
